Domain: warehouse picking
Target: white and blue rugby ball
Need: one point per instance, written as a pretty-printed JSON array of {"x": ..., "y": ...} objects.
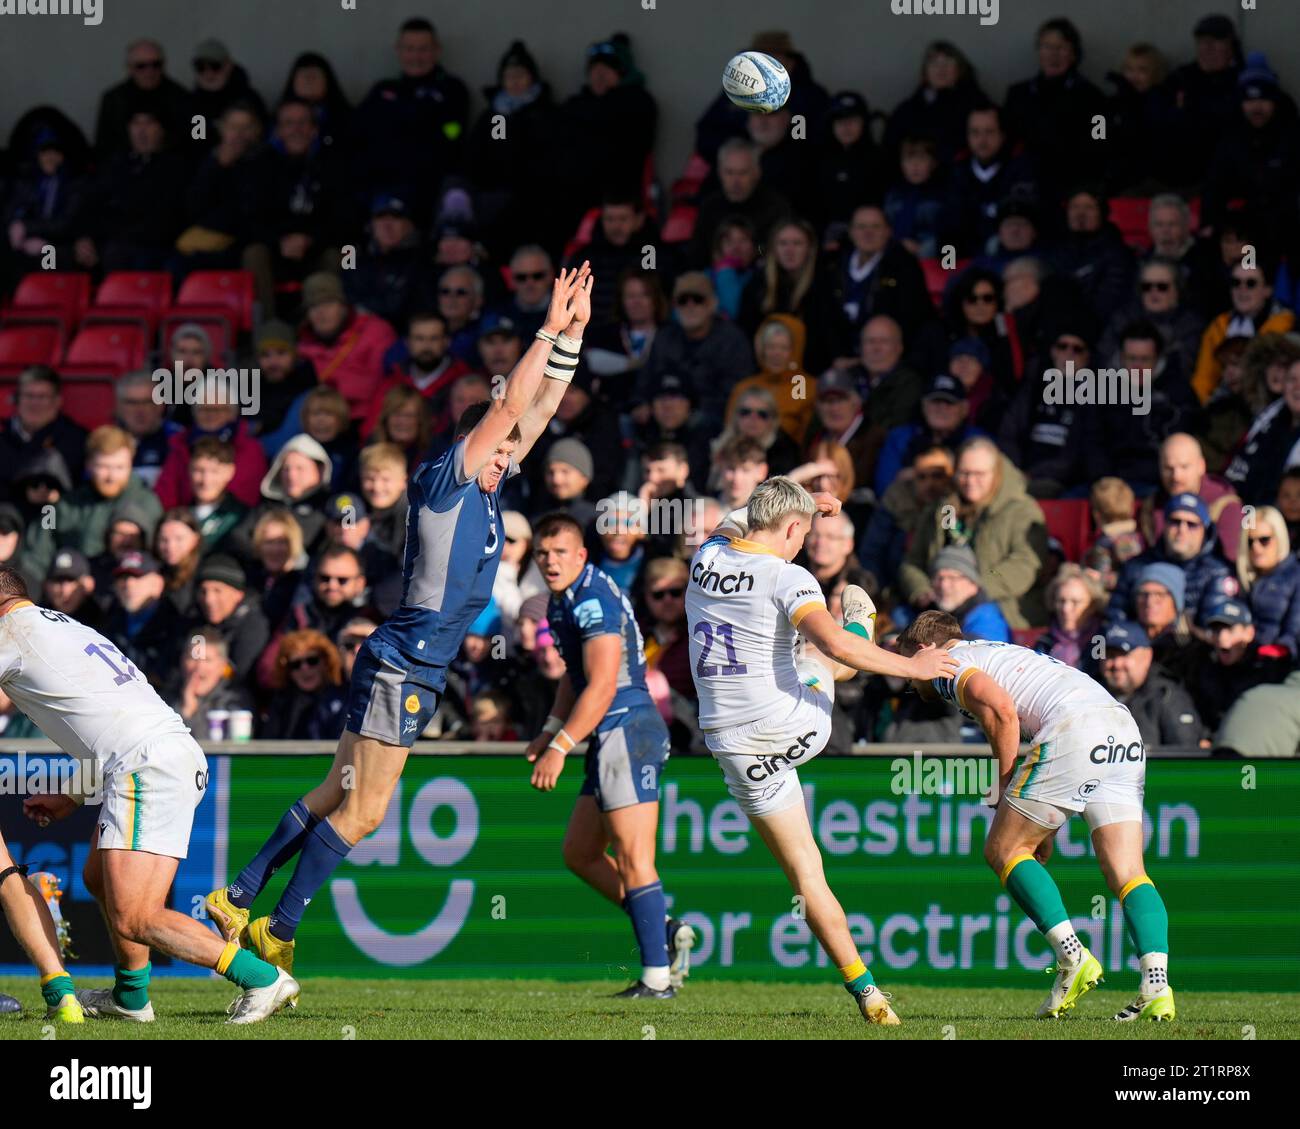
[{"x": 756, "y": 82}]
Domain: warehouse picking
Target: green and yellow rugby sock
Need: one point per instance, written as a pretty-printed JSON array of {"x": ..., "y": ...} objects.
[
  {"x": 1028, "y": 882},
  {"x": 131, "y": 987},
  {"x": 55, "y": 986},
  {"x": 1147, "y": 922},
  {"x": 245, "y": 969},
  {"x": 856, "y": 977}
]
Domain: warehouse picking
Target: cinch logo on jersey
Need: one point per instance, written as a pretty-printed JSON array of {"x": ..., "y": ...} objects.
[
  {"x": 723, "y": 582},
  {"x": 75, "y": 1082},
  {"x": 1110, "y": 753},
  {"x": 770, "y": 766}
]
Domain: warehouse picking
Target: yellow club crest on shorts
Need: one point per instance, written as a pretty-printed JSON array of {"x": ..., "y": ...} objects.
[{"x": 412, "y": 703}]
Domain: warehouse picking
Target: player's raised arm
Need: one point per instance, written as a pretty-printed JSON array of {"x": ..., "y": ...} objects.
[{"x": 508, "y": 408}]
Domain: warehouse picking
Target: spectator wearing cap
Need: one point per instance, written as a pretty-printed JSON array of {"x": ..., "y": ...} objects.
[
  {"x": 70, "y": 588},
  {"x": 81, "y": 520},
  {"x": 203, "y": 683},
  {"x": 227, "y": 424},
  {"x": 38, "y": 424},
  {"x": 532, "y": 273},
  {"x": 344, "y": 344},
  {"x": 1019, "y": 228},
  {"x": 567, "y": 471},
  {"x": 955, "y": 579},
  {"x": 1189, "y": 546},
  {"x": 1204, "y": 92},
  {"x": 991, "y": 512},
  {"x": 1042, "y": 434},
  {"x": 142, "y": 624},
  {"x": 671, "y": 421},
  {"x": 145, "y": 420},
  {"x": 147, "y": 88},
  {"x": 298, "y": 480},
  {"x": 991, "y": 169},
  {"x": 840, "y": 419},
  {"x": 219, "y": 82},
  {"x": 391, "y": 279},
  {"x": 1160, "y": 608},
  {"x": 779, "y": 347},
  {"x": 1117, "y": 439},
  {"x": 1092, "y": 252},
  {"x": 1077, "y": 602},
  {"x": 850, "y": 166},
  {"x": 1052, "y": 110},
  {"x": 410, "y": 129},
  {"x": 347, "y": 523},
  {"x": 622, "y": 346},
  {"x": 609, "y": 127},
  {"x": 617, "y": 245},
  {"x": 1272, "y": 446},
  {"x": 899, "y": 510},
  {"x": 286, "y": 379},
  {"x": 47, "y": 204},
  {"x": 38, "y": 482},
  {"x": 741, "y": 191},
  {"x": 969, "y": 360},
  {"x": 699, "y": 346},
  {"x": 1164, "y": 711},
  {"x": 1269, "y": 575},
  {"x": 941, "y": 103},
  {"x": 500, "y": 345},
  {"x": 1183, "y": 470},
  {"x": 307, "y": 677},
  {"x": 945, "y": 421},
  {"x": 223, "y": 602},
  {"x": 876, "y": 275},
  {"x": 1254, "y": 312},
  {"x": 1238, "y": 662},
  {"x": 1258, "y": 157},
  {"x": 130, "y": 530},
  {"x": 511, "y": 166},
  {"x": 791, "y": 282}
]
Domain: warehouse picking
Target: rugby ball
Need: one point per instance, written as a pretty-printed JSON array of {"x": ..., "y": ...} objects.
[{"x": 756, "y": 82}]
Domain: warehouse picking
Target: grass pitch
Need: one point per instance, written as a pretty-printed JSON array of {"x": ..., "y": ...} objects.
[{"x": 550, "y": 1009}]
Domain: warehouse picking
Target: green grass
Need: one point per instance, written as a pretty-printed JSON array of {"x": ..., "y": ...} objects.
[{"x": 548, "y": 1009}]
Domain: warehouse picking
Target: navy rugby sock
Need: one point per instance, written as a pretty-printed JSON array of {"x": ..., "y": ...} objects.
[
  {"x": 321, "y": 854},
  {"x": 285, "y": 842},
  {"x": 645, "y": 906}
]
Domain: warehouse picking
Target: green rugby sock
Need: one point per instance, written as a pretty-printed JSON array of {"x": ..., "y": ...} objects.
[
  {"x": 131, "y": 987},
  {"x": 1146, "y": 916},
  {"x": 1027, "y": 880},
  {"x": 858, "y": 629},
  {"x": 55, "y": 987},
  {"x": 247, "y": 970}
]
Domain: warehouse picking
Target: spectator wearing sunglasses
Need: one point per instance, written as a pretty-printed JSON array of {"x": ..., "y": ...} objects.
[
  {"x": 146, "y": 88},
  {"x": 754, "y": 415},
  {"x": 338, "y": 593},
  {"x": 974, "y": 310},
  {"x": 531, "y": 274},
  {"x": 460, "y": 304},
  {"x": 308, "y": 684},
  {"x": 347, "y": 523},
  {"x": 219, "y": 83},
  {"x": 1269, "y": 574},
  {"x": 667, "y": 641},
  {"x": 1254, "y": 312},
  {"x": 1159, "y": 301}
]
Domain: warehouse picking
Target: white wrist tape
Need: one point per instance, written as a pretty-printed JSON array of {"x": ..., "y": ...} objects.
[
  {"x": 563, "y": 361},
  {"x": 553, "y": 725},
  {"x": 562, "y": 742},
  {"x": 547, "y": 336}
]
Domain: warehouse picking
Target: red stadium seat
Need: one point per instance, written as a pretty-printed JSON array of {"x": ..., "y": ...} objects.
[
  {"x": 132, "y": 296},
  {"x": 581, "y": 237},
  {"x": 687, "y": 186},
  {"x": 112, "y": 349},
  {"x": 1069, "y": 520},
  {"x": 937, "y": 277},
  {"x": 24, "y": 345},
  {"x": 90, "y": 400},
  {"x": 215, "y": 323},
  {"x": 228, "y": 290},
  {"x": 1131, "y": 214},
  {"x": 679, "y": 227},
  {"x": 56, "y": 297},
  {"x": 8, "y": 390}
]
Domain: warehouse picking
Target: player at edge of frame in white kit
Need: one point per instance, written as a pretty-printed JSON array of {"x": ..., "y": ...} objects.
[{"x": 764, "y": 709}]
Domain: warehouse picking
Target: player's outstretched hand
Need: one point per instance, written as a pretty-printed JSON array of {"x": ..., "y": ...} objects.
[
  {"x": 547, "y": 764},
  {"x": 932, "y": 662},
  {"x": 560, "y": 312},
  {"x": 827, "y": 504},
  {"x": 44, "y": 810}
]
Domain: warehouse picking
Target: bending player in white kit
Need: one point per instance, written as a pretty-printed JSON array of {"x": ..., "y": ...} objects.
[
  {"x": 1087, "y": 758},
  {"x": 764, "y": 709},
  {"x": 150, "y": 775}
]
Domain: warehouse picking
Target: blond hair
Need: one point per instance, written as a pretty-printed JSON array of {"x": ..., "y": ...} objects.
[{"x": 777, "y": 499}]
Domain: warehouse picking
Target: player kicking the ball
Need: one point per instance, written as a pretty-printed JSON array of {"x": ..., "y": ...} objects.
[
  {"x": 764, "y": 709},
  {"x": 453, "y": 547},
  {"x": 603, "y": 699},
  {"x": 86, "y": 698},
  {"x": 1088, "y": 759}
]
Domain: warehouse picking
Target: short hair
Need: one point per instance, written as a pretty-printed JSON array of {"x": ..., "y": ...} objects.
[
  {"x": 213, "y": 638},
  {"x": 425, "y": 316},
  {"x": 334, "y": 551},
  {"x": 622, "y": 196},
  {"x": 918, "y": 146},
  {"x": 325, "y": 397},
  {"x": 776, "y": 499},
  {"x": 1025, "y": 263},
  {"x": 1112, "y": 498},
  {"x": 210, "y": 447},
  {"x": 1170, "y": 200},
  {"x": 740, "y": 449},
  {"x": 12, "y": 582},
  {"x": 552, "y": 524},
  {"x": 108, "y": 440},
  {"x": 40, "y": 374},
  {"x": 987, "y": 107},
  {"x": 929, "y": 627},
  {"x": 531, "y": 249},
  {"x": 471, "y": 416},
  {"x": 738, "y": 145},
  {"x": 476, "y": 279},
  {"x": 1143, "y": 330},
  {"x": 130, "y": 380},
  {"x": 665, "y": 449},
  {"x": 379, "y": 455},
  {"x": 936, "y": 451},
  {"x": 418, "y": 23},
  {"x": 1150, "y": 54}
]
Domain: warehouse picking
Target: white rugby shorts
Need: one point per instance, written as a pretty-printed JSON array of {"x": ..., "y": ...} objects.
[{"x": 151, "y": 809}]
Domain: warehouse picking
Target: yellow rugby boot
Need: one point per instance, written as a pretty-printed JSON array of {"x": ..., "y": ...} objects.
[
  {"x": 67, "y": 1011},
  {"x": 230, "y": 920},
  {"x": 1071, "y": 982},
  {"x": 259, "y": 938}
]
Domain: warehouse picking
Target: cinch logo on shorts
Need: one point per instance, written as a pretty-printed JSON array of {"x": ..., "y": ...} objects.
[
  {"x": 412, "y": 703},
  {"x": 770, "y": 766},
  {"x": 1110, "y": 752}
]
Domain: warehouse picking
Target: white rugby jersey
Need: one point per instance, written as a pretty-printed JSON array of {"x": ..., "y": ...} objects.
[
  {"x": 743, "y": 604},
  {"x": 1048, "y": 694},
  {"x": 81, "y": 691}
]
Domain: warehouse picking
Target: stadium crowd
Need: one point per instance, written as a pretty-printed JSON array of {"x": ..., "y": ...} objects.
[{"x": 777, "y": 313}]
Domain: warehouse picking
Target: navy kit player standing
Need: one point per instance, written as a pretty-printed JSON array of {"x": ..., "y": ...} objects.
[
  {"x": 453, "y": 547},
  {"x": 603, "y": 699}
]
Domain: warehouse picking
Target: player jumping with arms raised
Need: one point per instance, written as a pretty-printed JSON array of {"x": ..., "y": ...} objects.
[
  {"x": 766, "y": 710},
  {"x": 1087, "y": 758},
  {"x": 603, "y": 699},
  {"x": 453, "y": 547}
]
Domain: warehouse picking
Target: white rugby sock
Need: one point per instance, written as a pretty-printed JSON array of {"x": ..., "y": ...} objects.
[
  {"x": 1155, "y": 973},
  {"x": 1065, "y": 944},
  {"x": 656, "y": 978}
]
